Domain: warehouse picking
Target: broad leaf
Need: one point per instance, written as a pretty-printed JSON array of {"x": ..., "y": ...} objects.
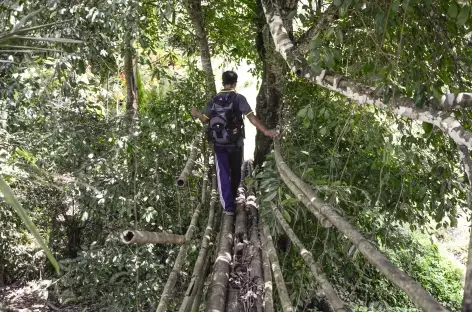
[
  {"x": 12, "y": 201},
  {"x": 463, "y": 15}
]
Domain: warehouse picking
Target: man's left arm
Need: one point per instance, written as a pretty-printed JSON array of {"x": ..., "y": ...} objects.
[{"x": 258, "y": 124}]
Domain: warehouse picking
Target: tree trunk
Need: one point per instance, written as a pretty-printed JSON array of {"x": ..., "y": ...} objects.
[
  {"x": 269, "y": 98},
  {"x": 131, "y": 83},
  {"x": 467, "y": 299},
  {"x": 194, "y": 9}
]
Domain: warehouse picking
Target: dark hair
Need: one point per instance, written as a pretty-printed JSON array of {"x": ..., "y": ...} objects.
[{"x": 229, "y": 77}]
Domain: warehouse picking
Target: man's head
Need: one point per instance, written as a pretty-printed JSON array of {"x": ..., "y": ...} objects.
[{"x": 230, "y": 78}]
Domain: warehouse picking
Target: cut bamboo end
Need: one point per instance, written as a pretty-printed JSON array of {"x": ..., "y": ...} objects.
[{"x": 142, "y": 237}]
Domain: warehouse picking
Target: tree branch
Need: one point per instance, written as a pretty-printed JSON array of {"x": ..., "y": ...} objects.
[
  {"x": 364, "y": 94},
  {"x": 323, "y": 22}
]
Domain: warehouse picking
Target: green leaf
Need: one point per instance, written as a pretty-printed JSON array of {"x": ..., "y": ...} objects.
[
  {"x": 338, "y": 2},
  {"x": 329, "y": 59},
  {"x": 12, "y": 201},
  {"x": 427, "y": 127},
  {"x": 271, "y": 196},
  {"x": 310, "y": 114},
  {"x": 463, "y": 15},
  {"x": 291, "y": 14},
  {"x": 26, "y": 19},
  {"x": 287, "y": 216},
  {"x": 396, "y": 6},
  {"x": 453, "y": 10},
  {"x": 302, "y": 113}
]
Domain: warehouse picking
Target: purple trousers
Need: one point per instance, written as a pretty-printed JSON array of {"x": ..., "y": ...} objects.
[{"x": 228, "y": 174}]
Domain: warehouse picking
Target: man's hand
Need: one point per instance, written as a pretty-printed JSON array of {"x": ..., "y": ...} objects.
[
  {"x": 272, "y": 133},
  {"x": 195, "y": 113}
]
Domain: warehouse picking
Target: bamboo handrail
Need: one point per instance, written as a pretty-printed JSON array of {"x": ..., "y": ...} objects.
[
  {"x": 307, "y": 256},
  {"x": 413, "y": 289}
]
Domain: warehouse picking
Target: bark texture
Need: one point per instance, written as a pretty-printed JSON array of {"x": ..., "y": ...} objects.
[
  {"x": 323, "y": 282},
  {"x": 179, "y": 262},
  {"x": 143, "y": 237},
  {"x": 413, "y": 289},
  {"x": 194, "y": 10},
  {"x": 182, "y": 180},
  {"x": 268, "y": 245},
  {"x": 467, "y": 299},
  {"x": 131, "y": 81},
  {"x": 199, "y": 268},
  {"x": 435, "y": 113},
  {"x": 269, "y": 98}
]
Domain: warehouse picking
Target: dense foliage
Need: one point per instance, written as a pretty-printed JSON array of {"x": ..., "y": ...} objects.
[{"x": 85, "y": 171}]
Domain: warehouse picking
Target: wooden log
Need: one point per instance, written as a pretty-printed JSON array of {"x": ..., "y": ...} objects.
[
  {"x": 413, "y": 289},
  {"x": 143, "y": 237}
]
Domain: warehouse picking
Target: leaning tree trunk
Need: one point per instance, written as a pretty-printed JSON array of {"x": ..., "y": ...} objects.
[
  {"x": 467, "y": 299},
  {"x": 194, "y": 9}
]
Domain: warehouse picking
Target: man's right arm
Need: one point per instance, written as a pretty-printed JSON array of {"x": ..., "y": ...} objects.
[{"x": 197, "y": 114}]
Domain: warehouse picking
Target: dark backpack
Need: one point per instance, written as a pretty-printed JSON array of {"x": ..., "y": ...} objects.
[{"x": 226, "y": 122}]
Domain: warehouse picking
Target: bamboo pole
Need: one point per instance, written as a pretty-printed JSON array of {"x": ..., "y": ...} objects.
[
  {"x": 221, "y": 269},
  {"x": 268, "y": 245},
  {"x": 268, "y": 300},
  {"x": 255, "y": 272},
  {"x": 413, "y": 289},
  {"x": 182, "y": 180},
  {"x": 143, "y": 237},
  {"x": 307, "y": 256},
  {"x": 179, "y": 262},
  {"x": 197, "y": 274},
  {"x": 199, "y": 294},
  {"x": 302, "y": 197}
]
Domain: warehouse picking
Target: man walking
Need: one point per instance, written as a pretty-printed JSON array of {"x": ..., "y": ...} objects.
[{"x": 224, "y": 113}]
